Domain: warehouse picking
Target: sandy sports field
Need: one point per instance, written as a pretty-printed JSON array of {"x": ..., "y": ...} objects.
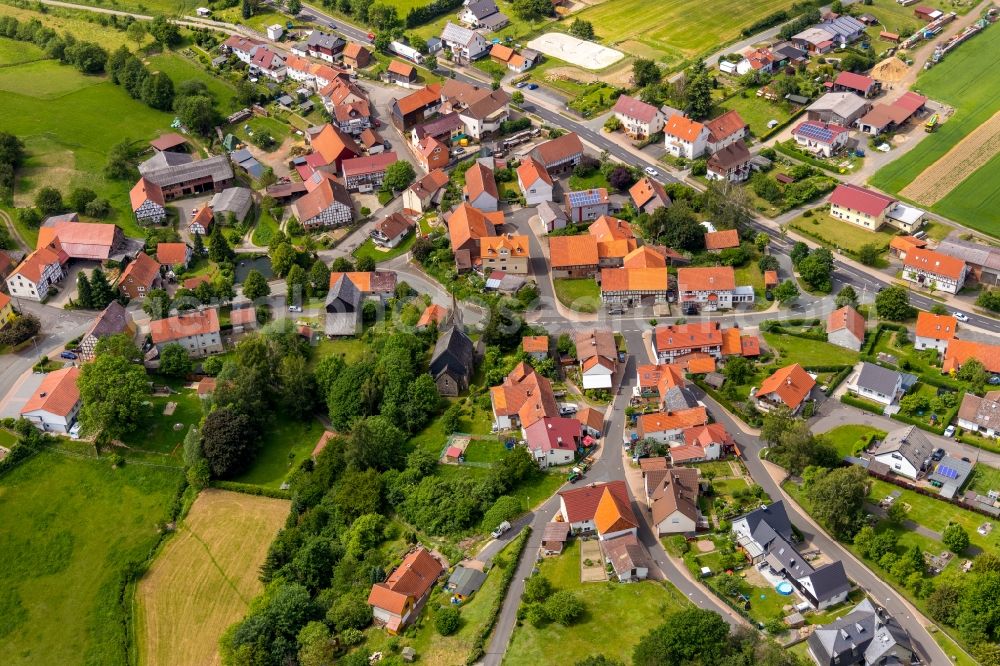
[
  {"x": 575, "y": 51},
  {"x": 205, "y": 576},
  {"x": 936, "y": 181}
]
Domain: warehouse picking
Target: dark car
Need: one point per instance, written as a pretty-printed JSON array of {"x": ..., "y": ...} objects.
[
  {"x": 532, "y": 86},
  {"x": 964, "y": 459},
  {"x": 68, "y": 355},
  {"x": 937, "y": 455}
]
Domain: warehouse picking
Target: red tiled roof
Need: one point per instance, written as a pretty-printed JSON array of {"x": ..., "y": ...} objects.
[
  {"x": 846, "y": 318},
  {"x": 168, "y": 141},
  {"x": 854, "y": 81},
  {"x": 144, "y": 191},
  {"x": 559, "y": 149},
  {"x": 581, "y": 503},
  {"x": 934, "y": 262},
  {"x": 791, "y": 384},
  {"x": 939, "y": 327},
  {"x": 726, "y": 125},
  {"x": 646, "y": 189},
  {"x": 142, "y": 271},
  {"x": 635, "y": 108},
  {"x": 860, "y": 199},
  {"x": 433, "y": 313},
  {"x": 243, "y": 316},
  {"x": 535, "y": 344},
  {"x": 530, "y": 171},
  {"x": 666, "y": 421},
  {"x": 479, "y": 180},
  {"x": 57, "y": 394},
  {"x": 906, "y": 243},
  {"x": 683, "y": 336},
  {"x": 426, "y": 96},
  {"x": 357, "y": 166},
  {"x": 720, "y": 278},
  {"x": 170, "y": 254},
  {"x": 526, "y": 393},
  {"x": 721, "y": 240},
  {"x": 184, "y": 326},
  {"x": 411, "y": 580},
  {"x": 401, "y": 68}
]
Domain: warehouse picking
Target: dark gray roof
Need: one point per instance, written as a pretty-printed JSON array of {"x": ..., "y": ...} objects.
[
  {"x": 878, "y": 379},
  {"x": 163, "y": 160},
  {"x": 466, "y": 581},
  {"x": 483, "y": 8},
  {"x": 218, "y": 168},
  {"x": 678, "y": 398},
  {"x": 549, "y": 211},
  {"x": 454, "y": 352},
  {"x": 114, "y": 319},
  {"x": 863, "y": 636},
  {"x": 773, "y": 517},
  {"x": 494, "y": 21},
  {"x": 343, "y": 296},
  {"x": 909, "y": 442},
  {"x": 56, "y": 219},
  {"x": 325, "y": 40},
  {"x": 783, "y": 557},
  {"x": 973, "y": 253},
  {"x": 828, "y": 581}
]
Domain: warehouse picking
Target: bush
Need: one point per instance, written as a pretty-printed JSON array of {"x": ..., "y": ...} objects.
[
  {"x": 447, "y": 620},
  {"x": 564, "y": 607},
  {"x": 861, "y": 404}
]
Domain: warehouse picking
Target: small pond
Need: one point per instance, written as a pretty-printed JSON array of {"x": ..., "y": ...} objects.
[{"x": 246, "y": 263}]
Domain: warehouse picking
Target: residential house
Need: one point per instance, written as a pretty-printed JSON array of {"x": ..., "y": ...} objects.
[
  {"x": 37, "y": 274},
  {"x": 173, "y": 254},
  {"x": 597, "y": 354},
  {"x": 374, "y": 285},
  {"x": 960, "y": 351},
  {"x": 327, "y": 203},
  {"x": 390, "y": 231},
  {"x": 756, "y": 60},
  {"x": 845, "y": 328},
  {"x": 934, "y": 331},
  {"x": 398, "y": 601},
  {"x": 445, "y": 128},
  {"x": 878, "y": 384},
  {"x": 731, "y": 164},
  {"x": 586, "y": 205},
  {"x": 983, "y": 260},
  {"x": 7, "y": 313},
  {"x": 514, "y": 61},
  {"x": 734, "y": 343},
  {"x": 332, "y": 147},
  {"x": 592, "y": 422},
  {"x": 980, "y": 415},
  {"x": 648, "y": 195},
  {"x": 673, "y": 341},
  {"x": 838, "y": 108},
  {"x": 465, "y": 45},
  {"x": 716, "y": 241},
  {"x": 483, "y": 14},
  {"x": 198, "y": 332},
  {"x": 666, "y": 427},
  {"x": 615, "y": 240},
  {"x": 484, "y": 116},
  {"x": 480, "y": 188},
  {"x": 631, "y": 286},
  {"x": 465, "y": 581},
  {"x": 453, "y": 361},
  {"x": 701, "y": 443},
  {"x": 425, "y": 192},
  {"x": 675, "y": 502},
  {"x": 644, "y": 257},
  {"x": 821, "y": 138},
  {"x": 141, "y": 276},
  {"x": 243, "y": 319},
  {"x": 55, "y": 404},
  {"x": 859, "y": 205},
  {"x": 726, "y": 130},
  {"x": 269, "y": 63},
  {"x": 435, "y": 315},
  {"x": 814, "y": 40},
  {"x": 790, "y": 386},
  {"x": 755, "y": 531},
  {"x": 654, "y": 381},
  {"x": 212, "y": 174},
  {"x": 573, "y": 256},
  {"x": 600, "y": 507},
  {"x": 536, "y": 346},
  {"x": 559, "y": 155},
  {"x": 352, "y": 118},
  {"x": 241, "y": 47},
  {"x": 710, "y": 288},
  {"x": 432, "y": 154},
  {"x": 323, "y": 45},
  {"x": 235, "y": 201},
  {"x": 147, "y": 202},
  {"x": 905, "y": 451},
  {"x": 935, "y": 271},
  {"x": 7, "y": 264},
  {"x": 467, "y": 225},
  {"x": 627, "y": 557},
  {"x": 339, "y": 92},
  {"x": 506, "y": 253},
  {"x": 534, "y": 182},
  {"x": 416, "y": 107},
  {"x": 685, "y": 138},
  {"x": 371, "y": 142},
  {"x": 523, "y": 398},
  {"x": 552, "y": 216},
  {"x": 867, "y": 636},
  {"x": 554, "y": 440},
  {"x": 201, "y": 223},
  {"x": 343, "y": 307},
  {"x": 859, "y": 84},
  {"x": 638, "y": 119},
  {"x": 365, "y": 174},
  {"x": 402, "y": 73},
  {"x": 356, "y": 56}
]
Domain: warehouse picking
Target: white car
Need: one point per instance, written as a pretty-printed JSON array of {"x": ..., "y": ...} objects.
[
  {"x": 567, "y": 408},
  {"x": 949, "y": 431},
  {"x": 960, "y": 316},
  {"x": 651, "y": 171},
  {"x": 294, "y": 308},
  {"x": 501, "y": 528}
]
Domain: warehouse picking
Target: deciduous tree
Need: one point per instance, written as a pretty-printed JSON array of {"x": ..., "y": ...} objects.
[
  {"x": 228, "y": 441},
  {"x": 113, "y": 390}
]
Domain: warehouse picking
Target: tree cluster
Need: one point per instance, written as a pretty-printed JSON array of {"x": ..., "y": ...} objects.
[
  {"x": 22, "y": 328},
  {"x": 88, "y": 57},
  {"x": 11, "y": 158},
  {"x": 95, "y": 293},
  {"x": 792, "y": 444},
  {"x": 113, "y": 388},
  {"x": 893, "y": 303}
]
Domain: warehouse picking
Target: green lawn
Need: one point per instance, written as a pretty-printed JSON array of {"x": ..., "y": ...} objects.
[
  {"x": 837, "y": 233},
  {"x": 674, "y": 29},
  {"x": 484, "y": 451},
  {"x": 45, "y": 79},
  {"x": 79, "y": 27},
  {"x": 765, "y": 602},
  {"x": 369, "y": 249},
  {"x": 13, "y": 52},
  {"x": 266, "y": 227},
  {"x": 580, "y": 294},
  {"x": 258, "y": 125},
  {"x": 791, "y": 349},
  {"x": 69, "y": 527},
  {"x": 350, "y": 349},
  {"x": 158, "y": 433},
  {"x": 895, "y": 18},
  {"x": 750, "y": 274},
  {"x": 632, "y": 609},
  {"x": 7, "y": 438},
  {"x": 983, "y": 479},
  {"x": 473, "y": 421},
  {"x": 964, "y": 80},
  {"x": 591, "y": 182},
  {"x": 517, "y": 29},
  {"x": 286, "y": 443},
  {"x": 757, "y": 112},
  {"x": 179, "y": 68},
  {"x": 847, "y": 438}
]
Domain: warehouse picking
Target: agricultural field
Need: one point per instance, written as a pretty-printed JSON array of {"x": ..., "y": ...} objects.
[
  {"x": 70, "y": 527},
  {"x": 965, "y": 81},
  {"x": 674, "y": 30},
  {"x": 635, "y": 609},
  {"x": 76, "y": 24},
  {"x": 204, "y": 578}
]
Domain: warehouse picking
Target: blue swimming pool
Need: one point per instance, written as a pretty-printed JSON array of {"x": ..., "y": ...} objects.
[{"x": 784, "y": 588}]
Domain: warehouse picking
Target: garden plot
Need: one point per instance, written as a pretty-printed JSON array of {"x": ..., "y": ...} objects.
[
  {"x": 941, "y": 177},
  {"x": 575, "y": 51}
]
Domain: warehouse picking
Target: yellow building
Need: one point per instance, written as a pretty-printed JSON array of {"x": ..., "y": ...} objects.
[
  {"x": 505, "y": 253},
  {"x": 6, "y": 310}
]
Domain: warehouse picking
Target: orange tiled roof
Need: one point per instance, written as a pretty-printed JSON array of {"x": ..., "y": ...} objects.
[
  {"x": 721, "y": 278},
  {"x": 721, "y": 240},
  {"x": 700, "y": 364},
  {"x": 413, "y": 578},
  {"x": 34, "y": 264},
  {"x": 501, "y": 52},
  {"x": 682, "y": 127},
  {"x": 683, "y": 336},
  {"x": 144, "y": 191},
  {"x": 934, "y": 262},
  {"x": 531, "y": 171},
  {"x": 57, "y": 394},
  {"x": 479, "y": 180},
  {"x": 939, "y": 327},
  {"x": 526, "y": 393},
  {"x": 184, "y": 326},
  {"x": 644, "y": 257},
  {"x": 791, "y": 384},
  {"x": 567, "y": 251},
  {"x": 142, "y": 271},
  {"x": 770, "y": 278},
  {"x": 170, "y": 254},
  {"x": 849, "y": 318},
  {"x": 607, "y": 228},
  {"x": 469, "y": 223},
  {"x": 535, "y": 344},
  {"x": 333, "y": 144},
  {"x": 959, "y": 351},
  {"x": 426, "y": 96},
  {"x": 401, "y": 68},
  {"x": 203, "y": 217},
  {"x": 666, "y": 421},
  {"x": 491, "y": 246},
  {"x": 906, "y": 243},
  {"x": 615, "y": 249},
  {"x": 433, "y": 313},
  {"x": 646, "y": 189},
  {"x": 634, "y": 279},
  {"x": 613, "y": 514}
]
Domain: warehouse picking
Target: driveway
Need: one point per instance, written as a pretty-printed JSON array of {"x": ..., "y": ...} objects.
[{"x": 24, "y": 387}]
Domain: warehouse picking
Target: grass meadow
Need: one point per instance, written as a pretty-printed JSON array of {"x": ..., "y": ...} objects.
[
  {"x": 14, "y": 52},
  {"x": 69, "y": 527},
  {"x": 966, "y": 80},
  {"x": 204, "y": 578}
]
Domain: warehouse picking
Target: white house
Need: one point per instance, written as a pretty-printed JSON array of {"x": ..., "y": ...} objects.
[
  {"x": 484, "y": 116},
  {"x": 675, "y": 502},
  {"x": 465, "y": 45},
  {"x": 685, "y": 138},
  {"x": 709, "y": 289},
  {"x": 934, "y": 270},
  {"x": 980, "y": 415},
  {"x": 55, "y": 404},
  {"x": 639, "y": 120},
  {"x": 821, "y": 138},
  {"x": 597, "y": 355},
  {"x": 34, "y": 277},
  {"x": 873, "y": 382},
  {"x": 534, "y": 181},
  {"x": 934, "y": 331},
  {"x": 554, "y": 440},
  {"x": 600, "y": 507},
  {"x": 274, "y": 32},
  {"x": 197, "y": 332},
  {"x": 667, "y": 427},
  {"x": 905, "y": 451}
]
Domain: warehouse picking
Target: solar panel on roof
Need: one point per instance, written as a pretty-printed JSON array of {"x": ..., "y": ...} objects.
[
  {"x": 816, "y": 132},
  {"x": 585, "y": 198},
  {"x": 947, "y": 472}
]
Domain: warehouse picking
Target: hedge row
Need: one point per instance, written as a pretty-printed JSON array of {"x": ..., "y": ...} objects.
[
  {"x": 18, "y": 454},
  {"x": 869, "y": 347},
  {"x": 804, "y": 158},
  {"x": 978, "y": 442},
  {"x": 937, "y": 430},
  {"x": 250, "y": 489},
  {"x": 861, "y": 404},
  {"x": 427, "y": 13},
  {"x": 838, "y": 379},
  {"x": 479, "y": 646},
  {"x": 722, "y": 400}
]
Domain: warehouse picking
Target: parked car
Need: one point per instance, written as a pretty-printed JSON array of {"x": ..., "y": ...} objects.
[
  {"x": 949, "y": 431},
  {"x": 937, "y": 455},
  {"x": 501, "y": 528},
  {"x": 520, "y": 84},
  {"x": 532, "y": 86},
  {"x": 567, "y": 408},
  {"x": 994, "y": 380},
  {"x": 295, "y": 308},
  {"x": 960, "y": 316},
  {"x": 68, "y": 355},
  {"x": 652, "y": 172}
]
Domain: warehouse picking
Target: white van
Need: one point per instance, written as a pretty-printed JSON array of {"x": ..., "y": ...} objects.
[{"x": 501, "y": 528}]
